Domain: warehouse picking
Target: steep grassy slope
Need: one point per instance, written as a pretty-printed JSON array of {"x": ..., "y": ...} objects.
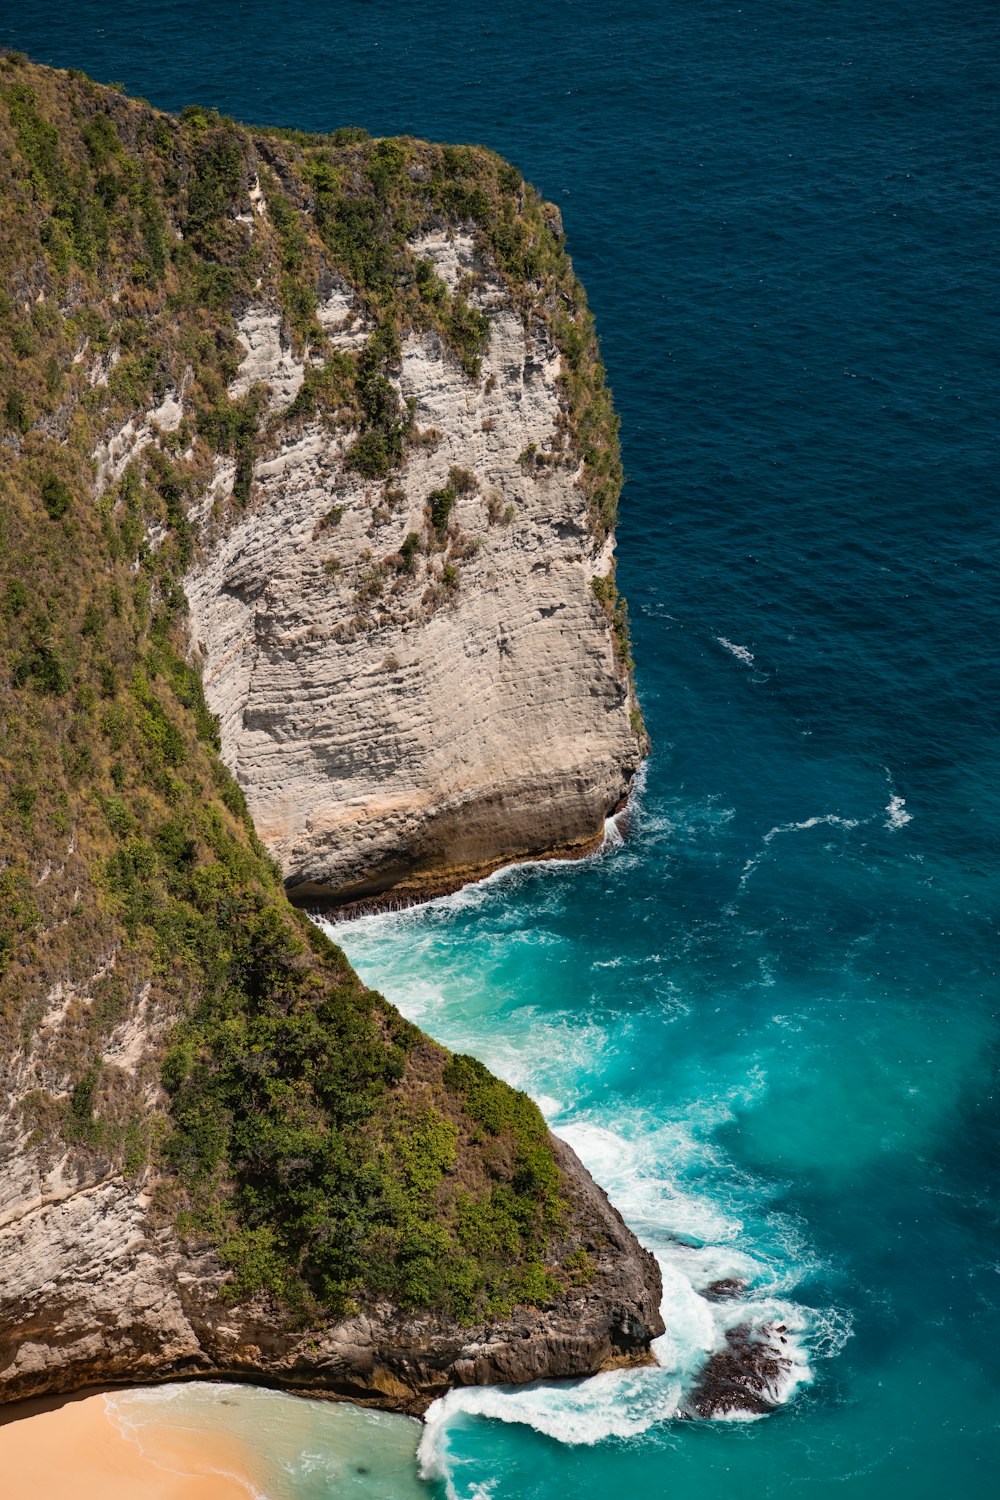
[{"x": 164, "y": 1013}]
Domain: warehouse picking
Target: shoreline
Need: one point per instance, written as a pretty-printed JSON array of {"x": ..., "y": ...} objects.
[
  {"x": 26, "y": 1408},
  {"x": 77, "y": 1445},
  {"x": 405, "y": 896}
]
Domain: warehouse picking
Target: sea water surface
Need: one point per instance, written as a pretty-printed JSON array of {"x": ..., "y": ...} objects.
[{"x": 766, "y": 1020}]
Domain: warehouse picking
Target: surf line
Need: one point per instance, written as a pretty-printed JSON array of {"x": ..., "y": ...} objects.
[{"x": 832, "y": 820}]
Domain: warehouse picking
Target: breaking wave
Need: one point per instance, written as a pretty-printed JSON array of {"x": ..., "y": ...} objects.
[
  {"x": 897, "y": 817},
  {"x": 740, "y": 652}
]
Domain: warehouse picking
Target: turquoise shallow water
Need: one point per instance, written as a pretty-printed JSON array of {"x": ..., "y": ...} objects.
[
  {"x": 761, "y": 1101},
  {"x": 293, "y": 1447},
  {"x": 768, "y": 1020}
]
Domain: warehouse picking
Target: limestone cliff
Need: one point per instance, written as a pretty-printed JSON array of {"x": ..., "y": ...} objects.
[
  {"x": 95, "y": 1289},
  {"x": 410, "y": 723},
  {"x": 322, "y": 418}
]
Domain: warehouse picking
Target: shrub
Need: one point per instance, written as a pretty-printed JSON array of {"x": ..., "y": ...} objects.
[
  {"x": 374, "y": 454},
  {"x": 56, "y": 496},
  {"x": 604, "y": 591},
  {"x": 18, "y": 915},
  {"x": 15, "y": 599},
  {"x": 218, "y": 179},
  {"x": 349, "y": 135},
  {"x": 409, "y": 549},
  {"x": 231, "y": 427},
  {"x": 23, "y": 341},
  {"x": 385, "y": 163},
  {"x": 441, "y": 502},
  {"x": 43, "y": 667},
  {"x": 499, "y": 514},
  {"x": 467, "y": 331},
  {"x": 462, "y": 481},
  {"x": 23, "y": 799},
  {"x": 80, "y": 1121},
  {"x": 16, "y": 411},
  {"x": 92, "y": 624},
  {"x": 115, "y": 724},
  {"x": 429, "y": 284},
  {"x": 119, "y": 819},
  {"x": 379, "y": 448}
]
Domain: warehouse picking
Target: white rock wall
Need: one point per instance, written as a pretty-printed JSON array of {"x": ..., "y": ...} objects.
[{"x": 402, "y": 738}]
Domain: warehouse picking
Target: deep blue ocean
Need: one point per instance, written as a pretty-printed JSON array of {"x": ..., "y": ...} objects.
[{"x": 768, "y": 1020}]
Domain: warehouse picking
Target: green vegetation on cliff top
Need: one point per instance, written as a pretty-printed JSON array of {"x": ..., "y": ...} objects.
[{"x": 282, "y": 1112}]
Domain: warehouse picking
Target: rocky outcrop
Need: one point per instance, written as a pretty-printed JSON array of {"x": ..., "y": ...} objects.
[
  {"x": 746, "y": 1377},
  {"x": 96, "y": 1289},
  {"x": 400, "y": 721}
]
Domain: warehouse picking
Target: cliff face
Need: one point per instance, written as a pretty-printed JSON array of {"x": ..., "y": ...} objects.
[
  {"x": 412, "y": 723},
  {"x": 95, "y": 1289},
  {"x": 325, "y": 418}
]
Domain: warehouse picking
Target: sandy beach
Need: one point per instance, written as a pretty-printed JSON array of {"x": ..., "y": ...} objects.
[{"x": 80, "y": 1450}]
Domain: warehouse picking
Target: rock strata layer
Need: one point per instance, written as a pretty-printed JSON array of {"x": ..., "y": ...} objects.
[
  {"x": 95, "y": 1290},
  {"x": 400, "y": 722}
]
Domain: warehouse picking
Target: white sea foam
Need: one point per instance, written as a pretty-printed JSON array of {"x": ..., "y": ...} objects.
[
  {"x": 546, "y": 1057},
  {"x": 640, "y": 1164},
  {"x": 613, "y": 836},
  {"x": 694, "y": 1239},
  {"x": 898, "y": 816},
  {"x": 549, "y": 1105},
  {"x": 627, "y": 1403},
  {"x": 832, "y": 820},
  {"x": 830, "y": 1331},
  {"x": 619, "y": 1403},
  {"x": 740, "y": 652},
  {"x": 668, "y": 1176}
]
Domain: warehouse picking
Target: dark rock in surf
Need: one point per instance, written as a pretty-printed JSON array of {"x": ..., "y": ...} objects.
[
  {"x": 744, "y": 1377},
  {"x": 729, "y": 1289}
]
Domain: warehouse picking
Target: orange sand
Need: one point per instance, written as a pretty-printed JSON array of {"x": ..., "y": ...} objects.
[{"x": 79, "y": 1451}]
